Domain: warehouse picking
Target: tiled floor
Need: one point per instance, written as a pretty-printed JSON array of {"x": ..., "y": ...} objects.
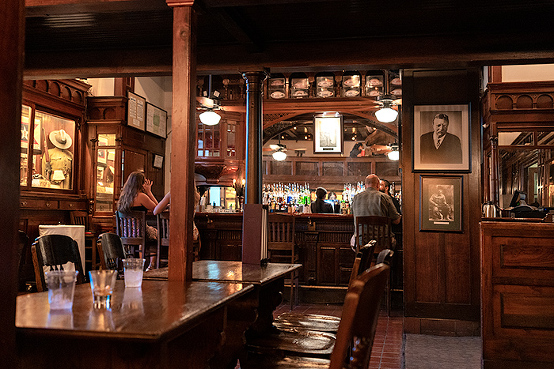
[{"x": 387, "y": 348}]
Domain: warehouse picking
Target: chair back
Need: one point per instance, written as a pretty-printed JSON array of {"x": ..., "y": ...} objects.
[
  {"x": 131, "y": 228},
  {"x": 281, "y": 238},
  {"x": 163, "y": 236},
  {"x": 79, "y": 218},
  {"x": 359, "y": 319},
  {"x": 111, "y": 250},
  {"x": 374, "y": 228},
  {"x": 384, "y": 256},
  {"x": 55, "y": 250}
]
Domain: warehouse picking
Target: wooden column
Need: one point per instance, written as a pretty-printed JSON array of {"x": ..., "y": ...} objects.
[
  {"x": 494, "y": 186},
  {"x": 11, "y": 76},
  {"x": 183, "y": 141},
  {"x": 254, "y": 136}
]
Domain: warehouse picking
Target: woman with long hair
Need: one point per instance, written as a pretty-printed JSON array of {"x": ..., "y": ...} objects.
[{"x": 136, "y": 195}]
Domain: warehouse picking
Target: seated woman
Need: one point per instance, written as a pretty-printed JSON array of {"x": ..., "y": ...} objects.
[
  {"x": 319, "y": 205},
  {"x": 136, "y": 195},
  {"x": 164, "y": 203}
]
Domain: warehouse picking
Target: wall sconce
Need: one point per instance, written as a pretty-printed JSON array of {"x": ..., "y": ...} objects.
[{"x": 210, "y": 117}]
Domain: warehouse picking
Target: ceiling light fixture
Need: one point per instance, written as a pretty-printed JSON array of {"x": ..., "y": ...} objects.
[
  {"x": 279, "y": 155},
  {"x": 394, "y": 154},
  {"x": 386, "y": 113},
  {"x": 210, "y": 117}
]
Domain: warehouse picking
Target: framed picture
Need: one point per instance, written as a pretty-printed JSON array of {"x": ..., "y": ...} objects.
[
  {"x": 158, "y": 161},
  {"x": 136, "y": 109},
  {"x": 440, "y": 204},
  {"x": 156, "y": 120},
  {"x": 441, "y": 138},
  {"x": 328, "y": 136}
]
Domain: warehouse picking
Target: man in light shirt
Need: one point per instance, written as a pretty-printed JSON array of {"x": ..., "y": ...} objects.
[{"x": 439, "y": 146}]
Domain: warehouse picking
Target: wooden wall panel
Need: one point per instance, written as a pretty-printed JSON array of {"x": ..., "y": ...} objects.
[{"x": 441, "y": 269}]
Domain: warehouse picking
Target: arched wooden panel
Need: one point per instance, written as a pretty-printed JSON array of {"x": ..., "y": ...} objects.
[
  {"x": 544, "y": 102},
  {"x": 524, "y": 102},
  {"x": 110, "y": 113},
  {"x": 504, "y": 102},
  {"x": 66, "y": 93}
]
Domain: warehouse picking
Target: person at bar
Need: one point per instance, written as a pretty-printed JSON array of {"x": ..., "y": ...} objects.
[
  {"x": 164, "y": 204},
  {"x": 372, "y": 202},
  {"x": 137, "y": 196},
  {"x": 319, "y": 205}
]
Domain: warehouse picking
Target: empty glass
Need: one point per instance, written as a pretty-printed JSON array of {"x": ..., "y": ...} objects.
[{"x": 102, "y": 283}]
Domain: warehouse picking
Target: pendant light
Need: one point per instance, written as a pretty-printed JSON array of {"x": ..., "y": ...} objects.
[
  {"x": 386, "y": 113},
  {"x": 210, "y": 117}
]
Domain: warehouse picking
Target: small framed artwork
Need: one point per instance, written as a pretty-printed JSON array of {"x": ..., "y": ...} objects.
[
  {"x": 136, "y": 109},
  {"x": 158, "y": 161},
  {"x": 441, "y": 138},
  {"x": 328, "y": 136},
  {"x": 156, "y": 120},
  {"x": 440, "y": 203}
]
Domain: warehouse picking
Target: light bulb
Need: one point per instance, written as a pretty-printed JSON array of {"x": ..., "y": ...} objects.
[
  {"x": 279, "y": 155},
  {"x": 210, "y": 118},
  {"x": 386, "y": 114}
]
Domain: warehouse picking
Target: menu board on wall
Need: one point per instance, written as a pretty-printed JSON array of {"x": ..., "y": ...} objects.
[
  {"x": 156, "y": 120},
  {"x": 136, "y": 108}
]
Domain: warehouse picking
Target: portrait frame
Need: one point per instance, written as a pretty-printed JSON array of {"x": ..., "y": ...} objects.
[
  {"x": 459, "y": 126},
  {"x": 158, "y": 161},
  {"x": 328, "y": 136},
  {"x": 440, "y": 203},
  {"x": 136, "y": 111}
]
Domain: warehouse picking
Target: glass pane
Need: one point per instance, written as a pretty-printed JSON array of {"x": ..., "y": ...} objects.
[
  {"x": 545, "y": 138},
  {"x": 53, "y": 161},
  {"x": 515, "y": 138},
  {"x": 333, "y": 168},
  {"x": 105, "y": 139},
  {"x": 281, "y": 167},
  {"x": 25, "y": 136},
  {"x": 358, "y": 168},
  {"x": 306, "y": 168},
  {"x": 105, "y": 179},
  {"x": 231, "y": 145},
  {"x": 386, "y": 169}
]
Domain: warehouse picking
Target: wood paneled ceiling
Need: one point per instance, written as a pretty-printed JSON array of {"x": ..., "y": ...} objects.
[{"x": 133, "y": 37}]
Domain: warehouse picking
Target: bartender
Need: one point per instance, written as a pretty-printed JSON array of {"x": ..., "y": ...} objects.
[
  {"x": 57, "y": 164},
  {"x": 319, "y": 205}
]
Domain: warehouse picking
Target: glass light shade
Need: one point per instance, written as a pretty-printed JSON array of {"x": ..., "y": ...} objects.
[
  {"x": 210, "y": 118},
  {"x": 279, "y": 155},
  {"x": 394, "y": 155},
  {"x": 386, "y": 114}
]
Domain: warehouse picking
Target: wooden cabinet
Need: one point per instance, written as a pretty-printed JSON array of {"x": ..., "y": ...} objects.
[
  {"x": 114, "y": 151},
  {"x": 517, "y": 289}
]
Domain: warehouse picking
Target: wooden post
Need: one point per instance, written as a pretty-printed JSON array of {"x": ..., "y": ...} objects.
[
  {"x": 183, "y": 142},
  {"x": 254, "y": 136},
  {"x": 11, "y": 76}
]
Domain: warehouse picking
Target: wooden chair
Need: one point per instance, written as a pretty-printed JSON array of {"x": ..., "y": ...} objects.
[
  {"x": 111, "y": 250},
  {"x": 281, "y": 247},
  {"x": 55, "y": 250},
  {"x": 385, "y": 256},
  {"x": 356, "y": 333},
  {"x": 325, "y": 323},
  {"x": 131, "y": 228},
  {"x": 163, "y": 236},
  {"x": 78, "y": 217},
  {"x": 374, "y": 228}
]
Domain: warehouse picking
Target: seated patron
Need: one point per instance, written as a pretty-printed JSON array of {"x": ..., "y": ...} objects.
[{"x": 319, "y": 205}]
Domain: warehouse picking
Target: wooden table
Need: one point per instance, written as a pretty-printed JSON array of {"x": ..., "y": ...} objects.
[{"x": 156, "y": 326}]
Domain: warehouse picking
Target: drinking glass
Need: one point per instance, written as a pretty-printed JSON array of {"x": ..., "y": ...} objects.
[
  {"x": 133, "y": 269},
  {"x": 102, "y": 283}
]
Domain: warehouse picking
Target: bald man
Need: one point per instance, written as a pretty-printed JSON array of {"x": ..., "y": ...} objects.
[{"x": 373, "y": 202}]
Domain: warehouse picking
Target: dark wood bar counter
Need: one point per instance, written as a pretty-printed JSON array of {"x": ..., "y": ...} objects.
[
  {"x": 517, "y": 294},
  {"x": 150, "y": 327}
]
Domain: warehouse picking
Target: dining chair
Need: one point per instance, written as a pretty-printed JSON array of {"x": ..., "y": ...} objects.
[
  {"x": 111, "y": 250},
  {"x": 281, "y": 247},
  {"x": 355, "y": 335},
  {"x": 131, "y": 228},
  {"x": 319, "y": 322},
  {"x": 55, "y": 250},
  {"x": 374, "y": 228},
  {"x": 385, "y": 256},
  {"x": 163, "y": 237}
]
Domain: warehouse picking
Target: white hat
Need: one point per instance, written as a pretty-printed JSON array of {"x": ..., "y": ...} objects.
[{"x": 60, "y": 139}]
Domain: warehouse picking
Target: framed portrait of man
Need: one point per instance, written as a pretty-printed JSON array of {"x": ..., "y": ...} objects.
[
  {"x": 441, "y": 138},
  {"x": 328, "y": 137}
]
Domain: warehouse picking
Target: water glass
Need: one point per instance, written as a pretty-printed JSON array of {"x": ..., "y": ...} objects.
[
  {"x": 133, "y": 269},
  {"x": 61, "y": 287},
  {"x": 102, "y": 283}
]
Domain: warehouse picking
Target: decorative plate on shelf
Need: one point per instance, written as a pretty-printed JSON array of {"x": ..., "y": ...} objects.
[
  {"x": 351, "y": 93},
  {"x": 325, "y": 93},
  {"x": 277, "y": 95},
  {"x": 300, "y": 93}
]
